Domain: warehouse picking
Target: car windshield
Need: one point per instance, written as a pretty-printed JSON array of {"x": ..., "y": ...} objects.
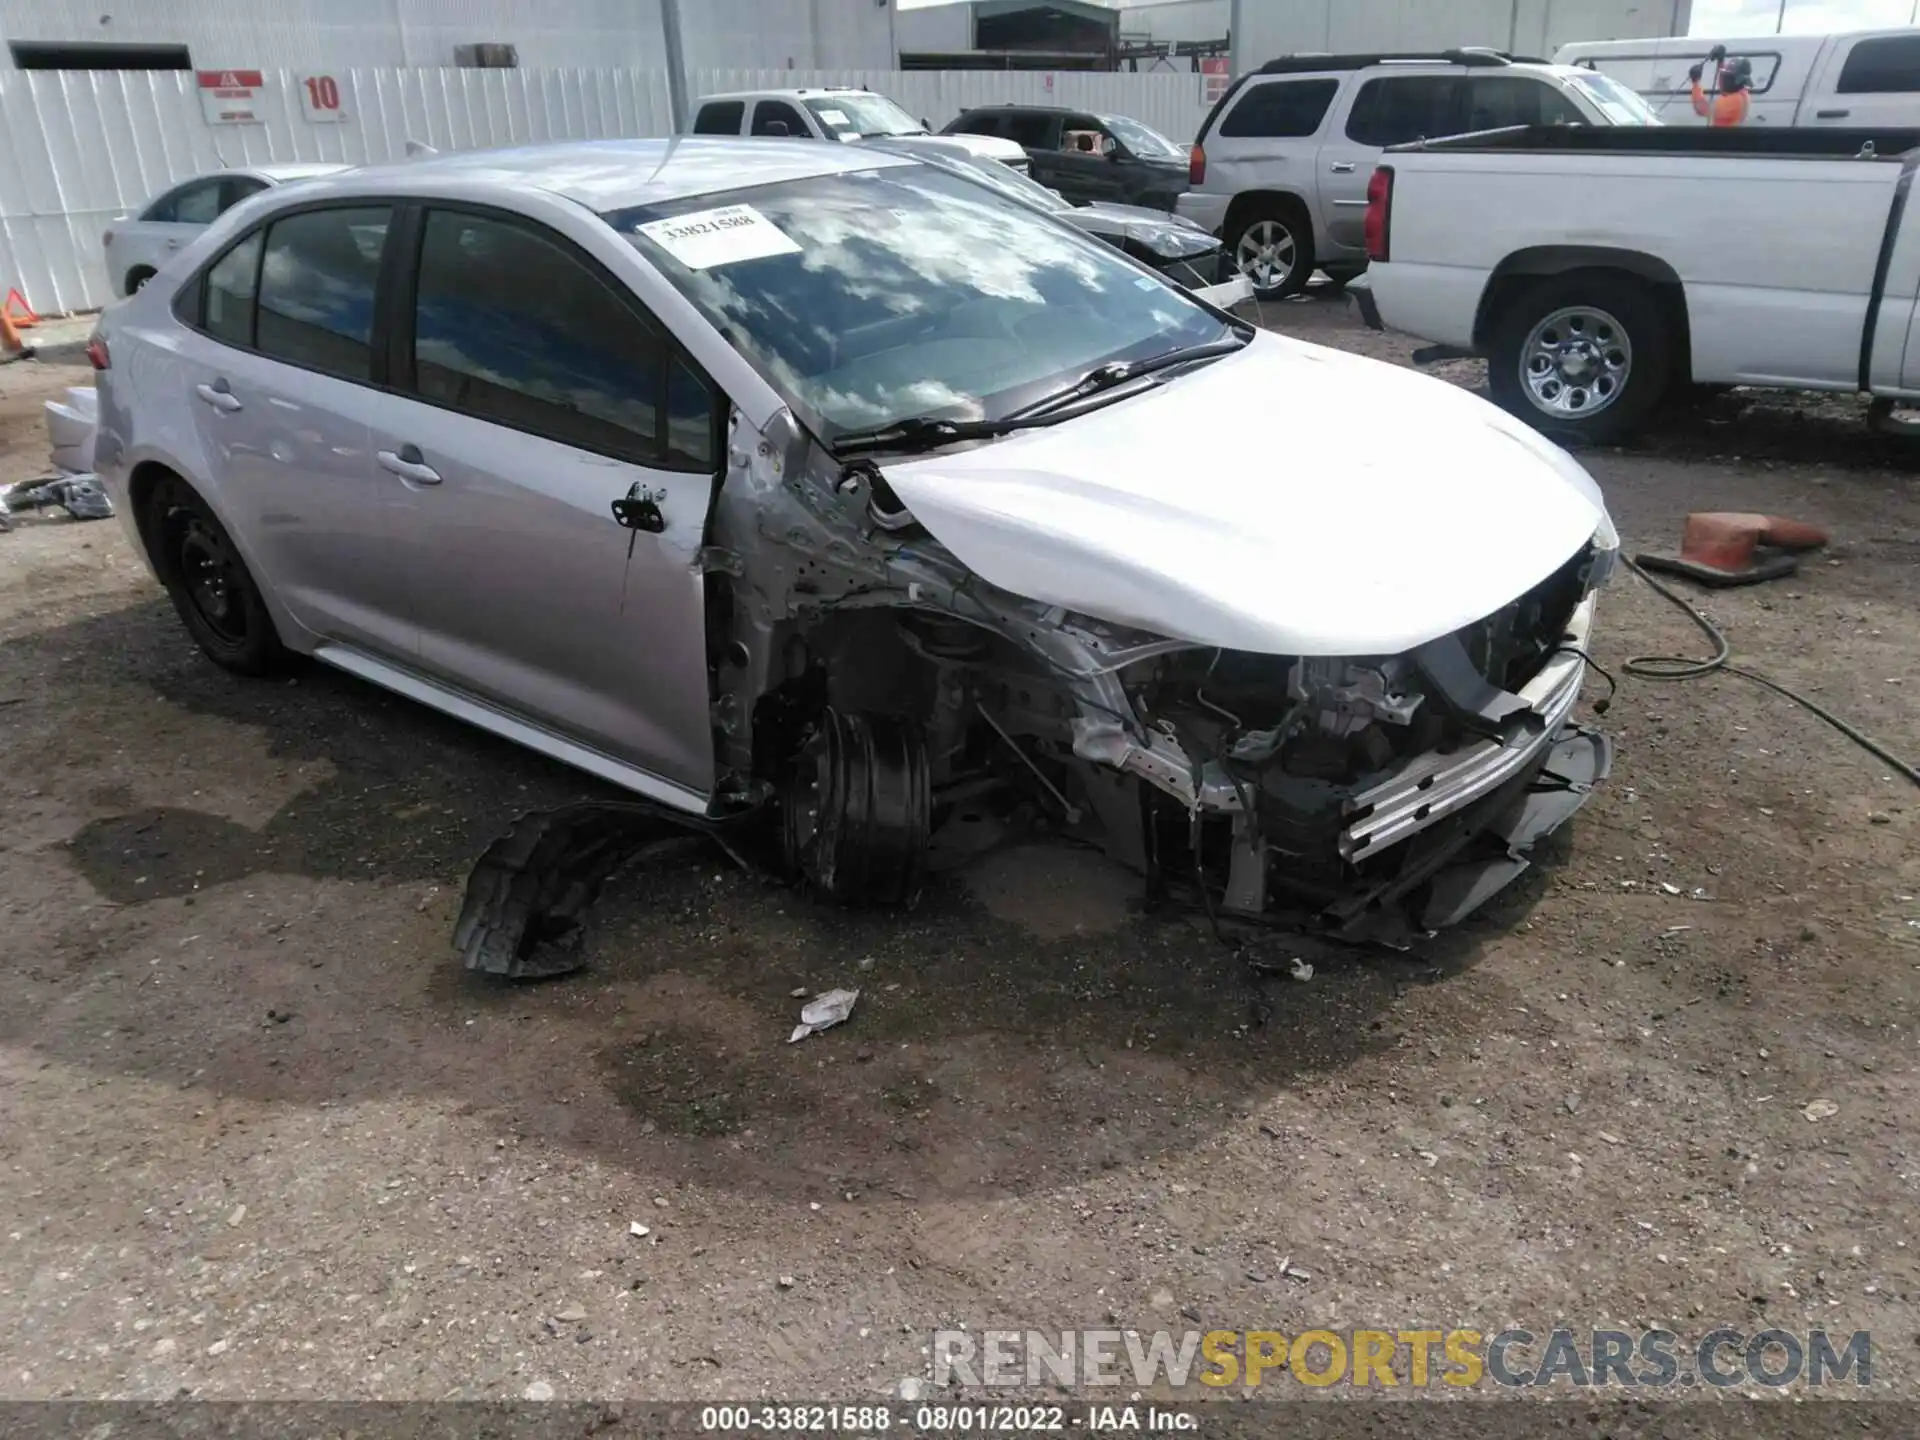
[
  {"x": 1620, "y": 105},
  {"x": 1143, "y": 140},
  {"x": 856, "y": 116},
  {"x": 882, "y": 295}
]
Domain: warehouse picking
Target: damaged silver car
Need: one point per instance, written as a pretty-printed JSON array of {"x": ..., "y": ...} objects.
[{"x": 811, "y": 492}]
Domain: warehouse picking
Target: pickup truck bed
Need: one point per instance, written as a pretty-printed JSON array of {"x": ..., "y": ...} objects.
[{"x": 1600, "y": 269}]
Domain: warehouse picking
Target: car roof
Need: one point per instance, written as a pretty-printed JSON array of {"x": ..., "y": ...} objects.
[
  {"x": 284, "y": 174},
  {"x": 606, "y": 175},
  {"x": 799, "y": 94}
]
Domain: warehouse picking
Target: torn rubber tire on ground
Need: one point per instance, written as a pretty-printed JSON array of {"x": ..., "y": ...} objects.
[{"x": 524, "y": 915}]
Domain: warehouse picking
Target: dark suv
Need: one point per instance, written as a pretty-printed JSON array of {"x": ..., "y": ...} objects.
[{"x": 1087, "y": 157}]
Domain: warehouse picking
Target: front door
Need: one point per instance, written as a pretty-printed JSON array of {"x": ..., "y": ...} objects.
[
  {"x": 1867, "y": 82},
  {"x": 280, "y": 374},
  {"x": 1088, "y": 162},
  {"x": 536, "y": 393}
]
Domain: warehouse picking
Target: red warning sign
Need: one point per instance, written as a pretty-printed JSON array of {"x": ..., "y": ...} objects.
[{"x": 230, "y": 97}]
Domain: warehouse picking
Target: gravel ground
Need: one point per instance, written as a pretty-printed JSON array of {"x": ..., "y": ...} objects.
[{"x": 261, "y": 1137}]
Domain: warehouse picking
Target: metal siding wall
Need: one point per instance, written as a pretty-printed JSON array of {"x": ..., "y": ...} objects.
[{"x": 87, "y": 146}]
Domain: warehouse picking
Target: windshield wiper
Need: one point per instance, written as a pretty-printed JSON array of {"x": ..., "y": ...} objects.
[
  {"x": 1119, "y": 372},
  {"x": 921, "y": 433}
]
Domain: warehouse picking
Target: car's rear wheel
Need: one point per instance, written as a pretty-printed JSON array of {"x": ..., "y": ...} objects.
[
  {"x": 208, "y": 582},
  {"x": 1273, "y": 248},
  {"x": 137, "y": 278},
  {"x": 1581, "y": 357}
]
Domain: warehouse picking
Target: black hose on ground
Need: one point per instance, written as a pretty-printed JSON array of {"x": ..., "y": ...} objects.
[{"x": 1684, "y": 667}]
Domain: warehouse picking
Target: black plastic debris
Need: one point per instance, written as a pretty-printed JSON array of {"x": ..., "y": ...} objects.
[
  {"x": 81, "y": 496},
  {"x": 524, "y": 915}
]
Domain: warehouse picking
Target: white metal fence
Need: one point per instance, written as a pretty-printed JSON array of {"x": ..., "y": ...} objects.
[{"x": 82, "y": 147}]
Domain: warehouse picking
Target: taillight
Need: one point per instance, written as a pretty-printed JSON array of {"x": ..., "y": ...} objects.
[
  {"x": 1379, "y": 213},
  {"x": 1197, "y": 165},
  {"x": 97, "y": 355}
]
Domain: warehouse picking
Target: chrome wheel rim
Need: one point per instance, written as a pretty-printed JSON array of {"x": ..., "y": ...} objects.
[
  {"x": 1576, "y": 362},
  {"x": 1266, "y": 254}
]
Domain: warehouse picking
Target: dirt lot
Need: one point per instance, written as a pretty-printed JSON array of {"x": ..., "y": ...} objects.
[{"x": 260, "y": 1136}]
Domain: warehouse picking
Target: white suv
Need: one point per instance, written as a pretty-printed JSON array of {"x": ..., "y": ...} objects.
[
  {"x": 1279, "y": 170},
  {"x": 831, "y": 112}
]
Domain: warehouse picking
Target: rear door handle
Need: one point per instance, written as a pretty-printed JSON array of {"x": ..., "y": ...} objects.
[
  {"x": 218, "y": 396},
  {"x": 173, "y": 244},
  {"x": 1342, "y": 167},
  {"x": 1831, "y": 114},
  {"x": 408, "y": 464}
]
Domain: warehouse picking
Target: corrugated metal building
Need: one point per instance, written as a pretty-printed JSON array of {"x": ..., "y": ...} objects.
[
  {"x": 347, "y": 34},
  {"x": 1283, "y": 27}
]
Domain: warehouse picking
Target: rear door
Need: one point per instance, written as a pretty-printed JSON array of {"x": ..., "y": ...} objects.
[
  {"x": 1038, "y": 132},
  {"x": 1492, "y": 102},
  {"x": 1386, "y": 110},
  {"x": 533, "y": 390},
  {"x": 721, "y": 117},
  {"x": 281, "y": 371},
  {"x": 1870, "y": 81}
]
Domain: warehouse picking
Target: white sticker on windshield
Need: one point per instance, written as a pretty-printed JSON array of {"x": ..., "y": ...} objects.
[
  {"x": 834, "y": 117},
  {"x": 707, "y": 238}
]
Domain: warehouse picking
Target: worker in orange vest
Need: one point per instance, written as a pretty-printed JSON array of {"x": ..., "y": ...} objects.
[{"x": 1731, "y": 100}]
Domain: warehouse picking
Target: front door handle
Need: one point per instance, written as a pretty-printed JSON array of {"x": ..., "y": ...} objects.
[
  {"x": 218, "y": 396},
  {"x": 409, "y": 464},
  {"x": 173, "y": 244},
  {"x": 1831, "y": 114},
  {"x": 1342, "y": 167}
]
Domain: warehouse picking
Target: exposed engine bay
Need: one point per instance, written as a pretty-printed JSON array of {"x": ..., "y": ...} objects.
[{"x": 889, "y": 701}]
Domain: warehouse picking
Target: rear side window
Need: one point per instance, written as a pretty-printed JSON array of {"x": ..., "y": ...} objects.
[
  {"x": 512, "y": 327},
  {"x": 318, "y": 278},
  {"x": 1495, "y": 103},
  {"x": 228, "y": 313},
  {"x": 978, "y": 123},
  {"x": 1890, "y": 66},
  {"x": 1284, "y": 109},
  {"x": 1034, "y": 132},
  {"x": 1396, "y": 109},
  {"x": 238, "y": 188},
  {"x": 195, "y": 203},
  {"x": 769, "y": 113},
  {"x": 722, "y": 117}
]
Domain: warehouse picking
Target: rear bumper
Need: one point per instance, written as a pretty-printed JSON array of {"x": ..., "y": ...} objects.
[
  {"x": 1361, "y": 294},
  {"x": 1207, "y": 211}
]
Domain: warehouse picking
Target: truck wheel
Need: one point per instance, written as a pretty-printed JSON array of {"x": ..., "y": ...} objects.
[
  {"x": 1581, "y": 357},
  {"x": 1272, "y": 246}
]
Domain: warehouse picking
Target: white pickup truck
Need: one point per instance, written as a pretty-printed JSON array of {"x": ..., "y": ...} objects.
[{"x": 1599, "y": 270}]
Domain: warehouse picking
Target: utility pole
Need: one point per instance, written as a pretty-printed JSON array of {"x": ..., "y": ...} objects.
[
  {"x": 676, "y": 63},
  {"x": 1780, "y": 25},
  {"x": 1236, "y": 44}
]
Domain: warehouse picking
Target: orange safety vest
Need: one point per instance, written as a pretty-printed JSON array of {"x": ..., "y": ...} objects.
[{"x": 1729, "y": 106}]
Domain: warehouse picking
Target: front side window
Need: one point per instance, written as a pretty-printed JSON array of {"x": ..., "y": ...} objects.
[
  {"x": 318, "y": 278},
  {"x": 1620, "y": 105},
  {"x": 860, "y": 116},
  {"x": 1397, "y": 109},
  {"x": 1281, "y": 109},
  {"x": 1494, "y": 103},
  {"x": 769, "y": 114},
  {"x": 873, "y": 296},
  {"x": 511, "y": 326},
  {"x": 722, "y": 117},
  {"x": 980, "y": 122}
]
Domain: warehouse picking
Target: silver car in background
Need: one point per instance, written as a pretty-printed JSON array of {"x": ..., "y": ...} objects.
[
  {"x": 138, "y": 245},
  {"x": 825, "y": 490}
]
